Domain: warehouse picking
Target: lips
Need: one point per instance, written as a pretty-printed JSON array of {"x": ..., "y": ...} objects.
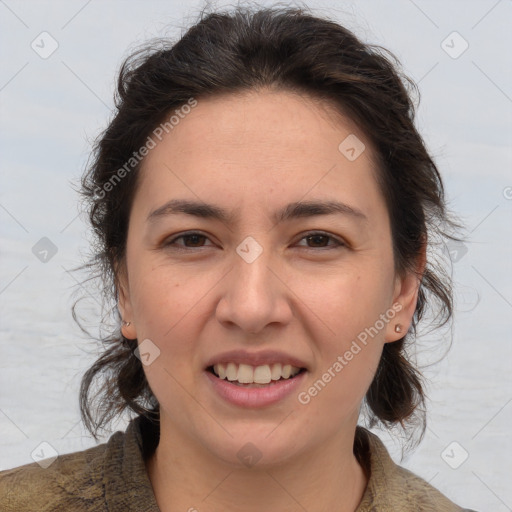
[
  {"x": 255, "y": 395},
  {"x": 255, "y": 379}
]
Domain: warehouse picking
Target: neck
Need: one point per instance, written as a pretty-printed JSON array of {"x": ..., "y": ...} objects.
[{"x": 186, "y": 478}]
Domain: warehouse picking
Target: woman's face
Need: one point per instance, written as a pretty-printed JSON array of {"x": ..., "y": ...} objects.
[{"x": 261, "y": 277}]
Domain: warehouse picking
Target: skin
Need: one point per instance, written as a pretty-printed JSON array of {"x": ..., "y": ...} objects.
[{"x": 252, "y": 154}]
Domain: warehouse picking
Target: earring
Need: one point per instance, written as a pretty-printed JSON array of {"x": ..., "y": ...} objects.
[
  {"x": 398, "y": 328},
  {"x": 126, "y": 324}
]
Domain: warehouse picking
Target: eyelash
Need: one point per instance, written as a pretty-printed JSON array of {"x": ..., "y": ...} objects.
[{"x": 171, "y": 243}]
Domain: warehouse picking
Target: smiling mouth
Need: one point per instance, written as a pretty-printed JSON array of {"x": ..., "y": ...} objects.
[{"x": 255, "y": 377}]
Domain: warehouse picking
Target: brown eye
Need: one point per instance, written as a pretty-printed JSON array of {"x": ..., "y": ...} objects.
[
  {"x": 321, "y": 240},
  {"x": 190, "y": 240},
  {"x": 195, "y": 240}
]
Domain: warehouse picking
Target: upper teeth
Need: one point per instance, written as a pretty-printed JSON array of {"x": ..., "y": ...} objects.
[{"x": 247, "y": 374}]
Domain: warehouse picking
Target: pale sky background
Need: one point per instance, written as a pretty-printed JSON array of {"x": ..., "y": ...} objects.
[{"x": 52, "y": 108}]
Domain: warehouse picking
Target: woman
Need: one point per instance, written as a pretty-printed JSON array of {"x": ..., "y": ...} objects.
[{"x": 263, "y": 205}]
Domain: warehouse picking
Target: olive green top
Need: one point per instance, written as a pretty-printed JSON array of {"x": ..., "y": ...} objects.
[{"x": 112, "y": 477}]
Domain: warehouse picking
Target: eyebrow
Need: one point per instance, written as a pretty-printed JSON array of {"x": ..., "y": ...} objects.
[{"x": 293, "y": 210}]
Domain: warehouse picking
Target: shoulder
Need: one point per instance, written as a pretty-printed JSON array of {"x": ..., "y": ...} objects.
[
  {"x": 110, "y": 476},
  {"x": 392, "y": 487},
  {"x": 72, "y": 482}
]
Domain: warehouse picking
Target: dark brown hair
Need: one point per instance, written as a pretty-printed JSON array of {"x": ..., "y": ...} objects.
[{"x": 285, "y": 49}]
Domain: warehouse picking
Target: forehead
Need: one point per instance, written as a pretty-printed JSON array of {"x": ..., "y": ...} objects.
[
  {"x": 258, "y": 147},
  {"x": 251, "y": 121}
]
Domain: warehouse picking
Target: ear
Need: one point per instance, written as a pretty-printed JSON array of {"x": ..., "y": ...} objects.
[
  {"x": 406, "y": 296},
  {"x": 124, "y": 303}
]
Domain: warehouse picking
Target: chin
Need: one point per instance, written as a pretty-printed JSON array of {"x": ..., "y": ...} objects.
[{"x": 255, "y": 451}]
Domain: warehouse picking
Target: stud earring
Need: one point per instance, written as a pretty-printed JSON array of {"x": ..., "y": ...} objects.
[
  {"x": 126, "y": 324},
  {"x": 398, "y": 328}
]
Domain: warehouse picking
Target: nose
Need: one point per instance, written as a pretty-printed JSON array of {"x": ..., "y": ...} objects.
[{"x": 254, "y": 296}]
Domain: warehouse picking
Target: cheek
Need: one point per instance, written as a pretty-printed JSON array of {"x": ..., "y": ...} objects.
[
  {"x": 162, "y": 298},
  {"x": 352, "y": 309},
  {"x": 171, "y": 307},
  {"x": 166, "y": 311},
  {"x": 348, "y": 342},
  {"x": 346, "y": 301}
]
